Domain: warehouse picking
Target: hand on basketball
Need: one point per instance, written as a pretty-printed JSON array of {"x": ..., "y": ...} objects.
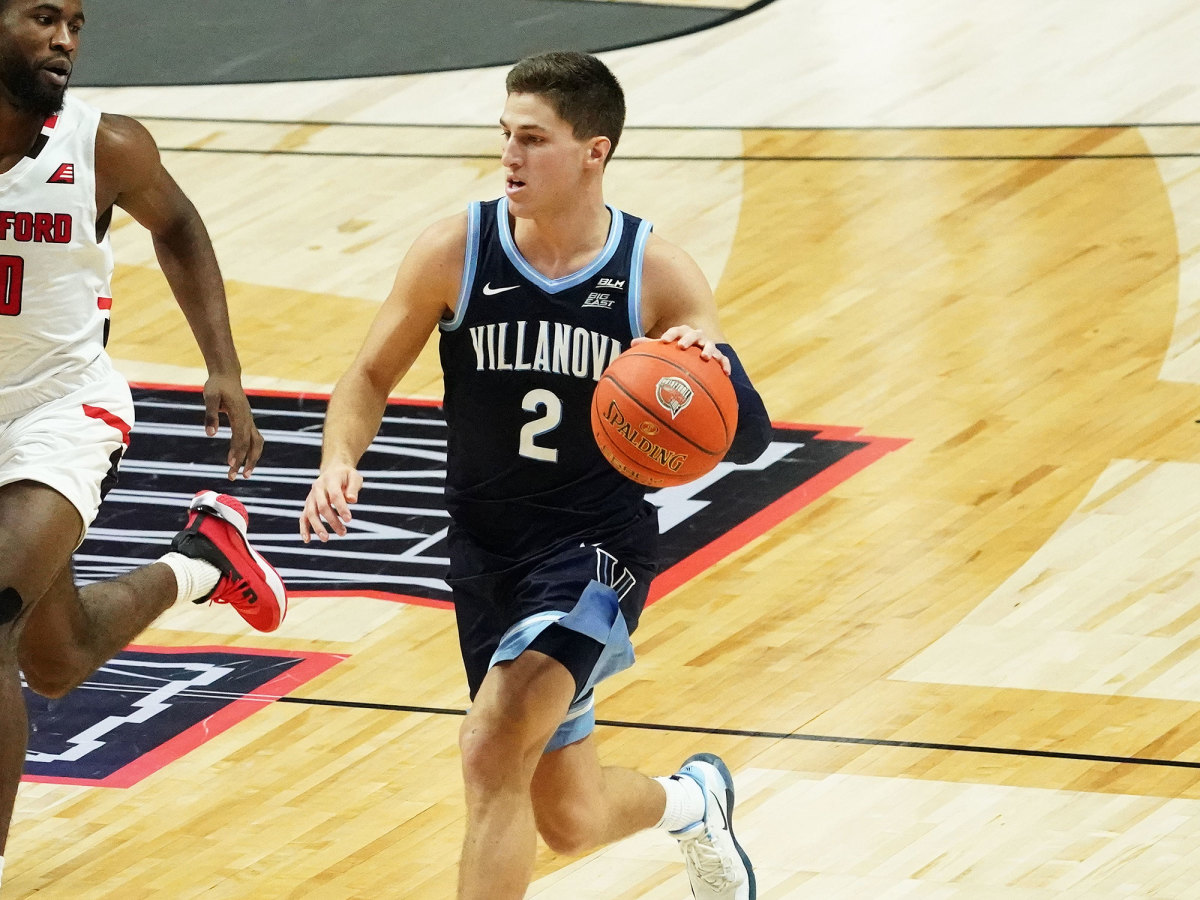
[
  {"x": 329, "y": 501},
  {"x": 687, "y": 336},
  {"x": 224, "y": 394}
]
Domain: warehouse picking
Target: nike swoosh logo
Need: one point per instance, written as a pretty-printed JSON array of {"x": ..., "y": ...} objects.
[{"x": 488, "y": 290}]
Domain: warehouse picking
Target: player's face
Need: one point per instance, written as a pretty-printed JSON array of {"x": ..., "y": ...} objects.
[
  {"x": 544, "y": 163},
  {"x": 38, "y": 43}
]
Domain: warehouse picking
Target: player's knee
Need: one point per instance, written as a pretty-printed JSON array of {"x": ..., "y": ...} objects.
[
  {"x": 51, "y": 675},
  {"x": 495, "y": 755},
  {"x": 51, "y": 685},
  {"x": 568, "y": 830}
]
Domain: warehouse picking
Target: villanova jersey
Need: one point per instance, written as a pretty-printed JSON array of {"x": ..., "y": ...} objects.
[
  {"x": 54, "y": 272},
  {"x": 520, "y": 360}
]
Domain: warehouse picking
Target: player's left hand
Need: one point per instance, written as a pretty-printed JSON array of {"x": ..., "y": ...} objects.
[
  {"x": 224, "y": 394},
  {"x": 687, "y": 336}
]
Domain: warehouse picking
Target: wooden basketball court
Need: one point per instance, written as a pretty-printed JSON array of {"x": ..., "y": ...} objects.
[{"x": 971, "y": 670}]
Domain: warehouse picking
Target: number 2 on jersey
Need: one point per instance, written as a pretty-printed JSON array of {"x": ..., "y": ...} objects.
[
  {"x": 12, "y": 275},
  {"x": 540, "y": 398}
]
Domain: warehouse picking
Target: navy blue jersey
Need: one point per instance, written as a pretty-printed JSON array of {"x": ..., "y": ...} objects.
[{"x": 520, "y": 361}]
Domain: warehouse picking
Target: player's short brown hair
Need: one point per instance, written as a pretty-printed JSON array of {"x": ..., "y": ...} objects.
[{"x": 582, "y": 91}]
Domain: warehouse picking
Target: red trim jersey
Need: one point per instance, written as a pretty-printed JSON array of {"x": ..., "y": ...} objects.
[{"x": 55, "y": 269}]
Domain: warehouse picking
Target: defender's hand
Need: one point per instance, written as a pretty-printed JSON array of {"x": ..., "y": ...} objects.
[{"x": 224, "y": 394}]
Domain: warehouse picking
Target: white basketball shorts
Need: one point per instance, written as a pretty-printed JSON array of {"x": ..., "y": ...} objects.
[{"x": 73, "y": 444}]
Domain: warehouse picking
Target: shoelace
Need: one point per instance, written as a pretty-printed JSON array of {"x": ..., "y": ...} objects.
[
  {"x": 235, "y": 586},
  {"x": 706, "y": 860}
]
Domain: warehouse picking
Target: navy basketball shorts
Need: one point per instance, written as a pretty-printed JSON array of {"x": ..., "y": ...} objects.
[{"x": 578, "y": 603}]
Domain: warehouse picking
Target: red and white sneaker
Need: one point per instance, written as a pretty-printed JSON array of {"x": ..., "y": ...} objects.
[{"x": 216, "y": 533}]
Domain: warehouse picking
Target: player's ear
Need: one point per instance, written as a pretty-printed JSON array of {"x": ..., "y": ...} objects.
[{"x": 598, "y": 150}]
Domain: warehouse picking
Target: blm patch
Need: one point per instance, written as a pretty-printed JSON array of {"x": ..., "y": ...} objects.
[
  {"x": 396, "y": 547},
  {"x": 150, "y": 705}
]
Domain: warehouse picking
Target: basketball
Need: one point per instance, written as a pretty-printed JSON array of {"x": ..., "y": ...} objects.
[{"x": 663, "y": 415}]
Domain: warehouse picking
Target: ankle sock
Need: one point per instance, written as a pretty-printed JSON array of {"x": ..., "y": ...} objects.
[
  {"x": 193, "y": 577},
  {"x": 685, "y": 802}
]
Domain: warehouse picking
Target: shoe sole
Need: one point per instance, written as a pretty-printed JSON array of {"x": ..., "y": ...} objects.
[
  {"x": 211, "y": 502},
  {"x": 719, "y": 764}
]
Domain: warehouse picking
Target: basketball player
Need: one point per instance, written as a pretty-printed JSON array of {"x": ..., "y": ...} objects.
[
  {"x": 65, "y": 413},
  {"x": 551, "y": 550}
]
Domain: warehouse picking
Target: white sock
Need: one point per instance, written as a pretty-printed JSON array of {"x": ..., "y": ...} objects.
[
  {"x": 1, "y": 868},
  {"x": 685, "y": 802},
  {"x": 193, "y": 577}
]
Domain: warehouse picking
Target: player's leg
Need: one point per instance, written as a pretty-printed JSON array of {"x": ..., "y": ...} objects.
[
  {"x": 518, "y": 707},
  {"x": 71, "y": 631},
  {"x": 63, "y": 638},
  {"x": 580, "y": 805},
  {"x": 37, "y": 535}
]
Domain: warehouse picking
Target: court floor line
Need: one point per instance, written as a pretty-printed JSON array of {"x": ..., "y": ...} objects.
[
  {"x": 1014, "y": 157},
  {"x": 686, "y": 729},
  {"x": 795, "y": 736},
  {"x": 220, "y": 120}
]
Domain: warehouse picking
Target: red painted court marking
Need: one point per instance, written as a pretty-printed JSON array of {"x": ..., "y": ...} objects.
[
  {"x": 310, "y": 666},
  {"x": 790, "y": 503}
]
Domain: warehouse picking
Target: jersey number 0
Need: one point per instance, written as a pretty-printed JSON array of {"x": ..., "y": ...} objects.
[{"x": 12, "y": 274}]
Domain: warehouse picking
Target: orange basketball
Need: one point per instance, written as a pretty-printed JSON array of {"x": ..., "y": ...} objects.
[{"x": 663, "y": 415}]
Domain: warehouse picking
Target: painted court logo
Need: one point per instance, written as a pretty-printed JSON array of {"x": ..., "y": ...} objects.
[
  {"x": 149, "y": 705},
  {"x": 673, "y": 394},
  {"x": 396, "y": 547}
]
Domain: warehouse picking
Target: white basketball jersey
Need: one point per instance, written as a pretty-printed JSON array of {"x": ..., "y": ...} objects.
[{"x": 54, "y": 275}]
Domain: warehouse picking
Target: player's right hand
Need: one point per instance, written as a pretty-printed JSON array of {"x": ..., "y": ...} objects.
[{"x": 329, "y": 501}]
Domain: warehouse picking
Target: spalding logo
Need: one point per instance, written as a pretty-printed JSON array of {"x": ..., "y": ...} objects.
[{"x": 673, "y": 394}]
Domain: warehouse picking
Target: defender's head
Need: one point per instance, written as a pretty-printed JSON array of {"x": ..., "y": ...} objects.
[{"x": 38, "y": 43}]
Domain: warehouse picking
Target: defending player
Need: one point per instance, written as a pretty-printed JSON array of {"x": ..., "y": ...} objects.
[
  {"x": 65, "y": 413},
  {"x": 551, "y": 551}
]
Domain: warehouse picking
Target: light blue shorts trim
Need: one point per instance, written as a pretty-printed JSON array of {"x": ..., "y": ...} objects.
[{"x": 597, "y": 615}]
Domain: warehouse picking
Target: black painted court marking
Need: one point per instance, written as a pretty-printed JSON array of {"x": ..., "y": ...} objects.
[
  {"x": 795, "y": 736},
  {"x": 195, "y": 693},
  {"x": 229, "y": 42}
]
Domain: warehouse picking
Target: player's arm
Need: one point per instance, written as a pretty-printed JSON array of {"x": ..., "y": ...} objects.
[
  {"x": 678, "y": 305},
  {"x": 425, "y": 289},
  {"x": 130, "y": 174}
]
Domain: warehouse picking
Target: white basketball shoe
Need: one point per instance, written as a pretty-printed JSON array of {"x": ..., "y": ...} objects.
[{"x": 717, "y": 866}]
